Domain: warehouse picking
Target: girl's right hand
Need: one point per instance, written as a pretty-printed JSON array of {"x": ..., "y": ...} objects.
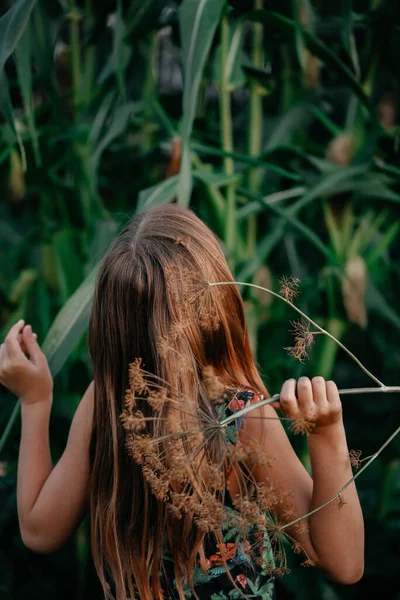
[
  {"x": 28, "y": 378},
  {"x": 315, "y": 401}
]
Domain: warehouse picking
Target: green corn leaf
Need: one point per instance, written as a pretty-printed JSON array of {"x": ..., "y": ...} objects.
[
  {"x": 246, "y": 159},
  {"x": 121, "y": 52},
  {"x": 198, "y": 20},
  {"x": 159, "y": 194},
  {"x": 23, "y": 54},
  {"x": 263, "y": 77},
  {"x": 340, "y": 180},
  {"x": 69, "y": 325},
  {"x": 117, "y": 126},
  {"x": 12, "y": 26},
  {"x": 219, "y": 179},
  {"x": 314, "y": 45},
  {"x": 307, "y": 233},
  {"x": 383, "y": 245},
  {"x": 376, "y": 302}
]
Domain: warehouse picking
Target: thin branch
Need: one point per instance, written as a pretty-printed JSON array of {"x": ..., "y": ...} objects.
[
  {"x": 321, "y": 329},
  {"x": 275, "y": 398},
  {"x": 373, "y": 457}
]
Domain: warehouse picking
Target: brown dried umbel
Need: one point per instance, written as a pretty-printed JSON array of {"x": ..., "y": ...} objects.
[
  {"x": 289, "y": 288},
  {"x": 303, "y": 337}
]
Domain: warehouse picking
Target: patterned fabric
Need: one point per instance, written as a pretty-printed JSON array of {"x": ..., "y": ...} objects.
[{"x": 211, "y": 581}]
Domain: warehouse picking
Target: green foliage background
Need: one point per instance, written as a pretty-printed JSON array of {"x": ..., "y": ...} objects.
[{"x": 277, "y": 122}]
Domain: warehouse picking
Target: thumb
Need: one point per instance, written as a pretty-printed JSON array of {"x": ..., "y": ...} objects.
[{"x": 30, "y": 340}]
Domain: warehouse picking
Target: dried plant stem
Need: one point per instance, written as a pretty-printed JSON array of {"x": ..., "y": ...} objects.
[
  {"x": 321, "y": 329},
  {"x": 372, "y": 458},
  {"x": 275, "y": 398}
]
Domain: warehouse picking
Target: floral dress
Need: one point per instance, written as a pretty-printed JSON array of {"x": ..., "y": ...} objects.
[{"x": 211, "y": 581}]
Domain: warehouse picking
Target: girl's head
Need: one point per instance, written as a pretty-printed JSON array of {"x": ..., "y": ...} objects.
[{"x": 153, "y": 301}]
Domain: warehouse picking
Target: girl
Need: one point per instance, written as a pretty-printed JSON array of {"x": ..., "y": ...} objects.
[{"x": 161, "y": 475}]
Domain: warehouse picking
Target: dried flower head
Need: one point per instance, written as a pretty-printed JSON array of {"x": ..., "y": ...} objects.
[
  {"x": 340, "y": 502},
  {"x": 135, "y": 422},
  {"x": 302, "y": 424},
  {"x": 289, "y": 287},
  {"x": 214, "y": 387},
  {"x": 209, "y": 318},
  {"x": 137, "y": 379},
  {"x": 308, "y": 563},
  {"x": 157, "y": 399},
  {"x": 302, "y": 526},
  {"x": 355, "y": 458},
  {"x": 130, "y": 400},
  {"x": 303, "y": 338}
]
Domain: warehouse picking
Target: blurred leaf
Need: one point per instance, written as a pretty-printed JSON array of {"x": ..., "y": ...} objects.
[
  {"x": 121, "y": 52},
  {"x": 69, "y": 325},
  {"x": 308, "y": 234},
  {"x": 198, "y": 20},
  {"x": 341, "y": 180},
  {"x": 258, "y": 206},
  {"x": 12, "y": 26},
  {"x": 214, "y": 178},
  {"x": 381, "y": 247},
  {"x": 23, "y": 53},
  {"x": 263, "y": 77},
  {"x": 142, "y": 16},
  {"x": 159, "y": 194},
  {"x": 115, "y": 128},
  {"x": 104, "y": 233},
  {"x": 246, "y": 159},
  {"x": 315, "y": 45},
  {"x": 68, "y": 267},
  {"x": 236, "y": 61},
  {"x": 376, "y": 301}
]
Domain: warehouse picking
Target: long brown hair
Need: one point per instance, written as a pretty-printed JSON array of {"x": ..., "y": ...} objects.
[{"x": 152, "y": 301}]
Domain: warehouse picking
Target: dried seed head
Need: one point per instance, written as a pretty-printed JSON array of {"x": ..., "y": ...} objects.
[
  {"x": 130, "y": 401},
  {"x": 289, "y": 287},
  {"x": 139, "y": 446},
  {"x": 157, "y": 399},
  {"x": 214, "y": 387},
  {"x": 137, "y": 380},
  {"x": 303, "y": 338},
  {"x": 302, "y": 526},
  {"x": 355, "y": 458},
  {"x": 135, "y": 422},
  {"x": 340, "y": 502},
  {"x": 302, "y": 424},
  {"x": 308, "y": 563}
]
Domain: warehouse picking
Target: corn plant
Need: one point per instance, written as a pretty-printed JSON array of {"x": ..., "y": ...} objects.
[{"x": 278, "y": 123}]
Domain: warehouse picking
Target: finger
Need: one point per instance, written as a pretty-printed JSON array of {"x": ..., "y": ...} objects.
[
  {"x": 305, "y": 394},
  {"x": 319, "y": 391},
  {"x": 332, "y": 393},
  {"x": 30, "y": 340},
  {"x": 288, "y": 400},
  {"x": 22, "y": 344},
  {"x": 11, "y": 343}
]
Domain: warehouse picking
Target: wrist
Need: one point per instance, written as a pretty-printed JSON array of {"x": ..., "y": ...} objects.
[
  {"x": 37, "y": 401},
  {"x": 329, "y": 432}
]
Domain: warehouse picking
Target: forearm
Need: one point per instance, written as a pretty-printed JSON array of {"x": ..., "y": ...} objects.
[
  {"x": 34, "y": 462},
  {"x": 336, "y": 531}
]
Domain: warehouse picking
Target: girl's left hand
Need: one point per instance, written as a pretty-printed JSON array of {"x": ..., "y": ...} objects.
[
  {"x": 28, "y": 378},
  {"x": 316, "y": 401}
]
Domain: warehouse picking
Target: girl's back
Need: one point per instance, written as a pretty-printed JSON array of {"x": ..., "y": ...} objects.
[{"x": 181, "y": 501}]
